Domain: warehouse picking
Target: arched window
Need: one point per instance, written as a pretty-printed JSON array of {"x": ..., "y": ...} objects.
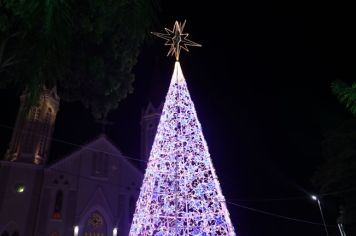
[
  {"x": 5, "y": 233},
  {"x": 34, "y": 113},
  {"x": 57, "y": 213}
]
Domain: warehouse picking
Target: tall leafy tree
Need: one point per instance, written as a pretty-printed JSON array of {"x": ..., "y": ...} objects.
[{"x": 86, "y": 49}]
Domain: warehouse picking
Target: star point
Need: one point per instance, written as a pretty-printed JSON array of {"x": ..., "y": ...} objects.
[{"x": 176, "y": 39}]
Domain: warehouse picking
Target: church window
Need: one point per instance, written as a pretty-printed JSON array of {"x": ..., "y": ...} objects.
[
  {"x": 57, "y": 213},
  {"x": 20, "y": 188},
  {"x": 34, "y": 113},
  {"x": 95, "y": 225},
  {"x": 96, "y": 220}
]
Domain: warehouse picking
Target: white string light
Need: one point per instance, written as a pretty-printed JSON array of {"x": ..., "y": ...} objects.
[{"x": 180, "y": 194}]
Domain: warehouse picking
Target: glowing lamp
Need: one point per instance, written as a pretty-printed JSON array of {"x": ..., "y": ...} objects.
[
  {"x": 76, "y": 230},
  {"x": 114, "y": 232},
  {"x": 20, "y": 188}
]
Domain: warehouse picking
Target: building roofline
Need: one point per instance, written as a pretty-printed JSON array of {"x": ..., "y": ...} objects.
[{"x": 86, "y": 147}]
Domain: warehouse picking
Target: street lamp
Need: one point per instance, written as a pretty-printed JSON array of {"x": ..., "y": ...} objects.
[
  {"x": 315, "y": 198},
  {"x": 341, "y": 229},
  {"x": 114, "y": 232},
  {"x": 76, "y": 230}
]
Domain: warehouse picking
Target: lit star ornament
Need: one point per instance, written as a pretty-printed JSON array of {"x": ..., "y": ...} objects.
[{"x": 176, "y": 39}]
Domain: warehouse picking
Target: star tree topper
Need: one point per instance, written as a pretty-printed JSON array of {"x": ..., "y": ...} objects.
[{"x": 176, "y": 39}]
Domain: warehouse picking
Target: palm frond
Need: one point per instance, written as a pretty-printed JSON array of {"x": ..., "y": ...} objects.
[{"x": 346, "y": 94}]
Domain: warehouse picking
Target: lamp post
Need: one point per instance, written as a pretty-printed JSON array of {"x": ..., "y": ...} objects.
[
  {"x": 315, "y": 198},
  {"x": 341, "y": 229}
]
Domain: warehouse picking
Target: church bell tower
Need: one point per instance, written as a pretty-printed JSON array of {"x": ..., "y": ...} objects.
[
  {"x": 22, "y": 171},
  {"x": 33, "y": 129}
]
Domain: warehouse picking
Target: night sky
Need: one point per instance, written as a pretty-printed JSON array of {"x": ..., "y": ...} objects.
[{"x": 261, "y": 88}]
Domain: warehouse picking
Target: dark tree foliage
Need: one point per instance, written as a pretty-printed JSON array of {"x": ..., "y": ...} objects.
[
  {"x": 338, "y": 170},
  {"x": 346, "y": 94},
  {"x": 6, "y": 61},
  {"x": 86, "y": 49}
]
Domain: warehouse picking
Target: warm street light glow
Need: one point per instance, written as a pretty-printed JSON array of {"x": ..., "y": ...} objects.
[{"x": 20, "y": 188}]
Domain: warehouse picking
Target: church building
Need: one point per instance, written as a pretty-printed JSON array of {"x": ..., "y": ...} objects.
[{"x": 91, "y": 192}]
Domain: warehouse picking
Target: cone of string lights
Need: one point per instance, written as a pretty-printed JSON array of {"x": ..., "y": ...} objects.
[{"x": 180, "y": 193}]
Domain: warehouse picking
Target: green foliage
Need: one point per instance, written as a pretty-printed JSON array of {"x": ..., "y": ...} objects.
[
  {"x": 42, "y": 36},
  {"x": 346, "y": 94},
  {"x": 86, "y": 50}
]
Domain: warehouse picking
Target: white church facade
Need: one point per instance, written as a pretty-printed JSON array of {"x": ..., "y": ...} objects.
[{"x": 91, "y": 192}]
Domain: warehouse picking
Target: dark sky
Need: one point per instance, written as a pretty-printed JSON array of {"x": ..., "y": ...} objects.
[{"x": 261, "y": 88}]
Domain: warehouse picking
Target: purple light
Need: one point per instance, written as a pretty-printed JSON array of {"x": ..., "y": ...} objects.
[{"x": 180, "y": 194}]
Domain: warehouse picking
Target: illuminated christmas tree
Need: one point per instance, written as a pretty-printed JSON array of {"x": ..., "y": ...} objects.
[{"x": 180, "y": 194}]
